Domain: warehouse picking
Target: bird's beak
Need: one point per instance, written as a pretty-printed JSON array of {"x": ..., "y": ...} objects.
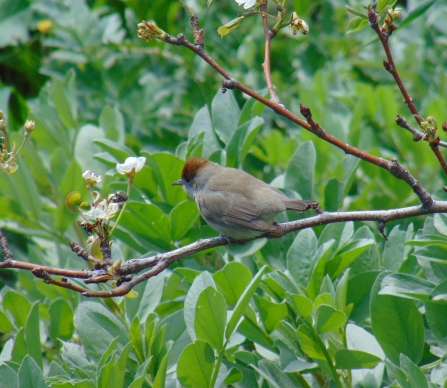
[{"x": 178, "y": 183}]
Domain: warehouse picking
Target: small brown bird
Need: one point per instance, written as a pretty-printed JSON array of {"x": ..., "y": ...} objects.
[{"x": 235, "y": 203}]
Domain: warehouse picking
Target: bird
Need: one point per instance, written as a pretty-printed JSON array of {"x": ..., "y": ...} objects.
[{"x": 235, "y": 203}]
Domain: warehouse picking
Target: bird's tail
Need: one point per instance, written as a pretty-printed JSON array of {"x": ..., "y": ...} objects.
[{"x": 300, "y": 205}]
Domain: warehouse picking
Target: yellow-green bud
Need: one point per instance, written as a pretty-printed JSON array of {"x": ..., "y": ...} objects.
[
  {"x": 396, "y": 13},
  {"x": 297, "y": 24},
  {"x": 150, "y": 30}
]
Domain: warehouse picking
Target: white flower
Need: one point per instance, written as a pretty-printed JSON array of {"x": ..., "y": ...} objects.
[
  {"x": 297, "y": 24},
  {"x": 103, "y": 211},
  {"x": 91, "y": 178},
  {"x": 247, "y": 3},
  {"x": 131, "y": 165}
]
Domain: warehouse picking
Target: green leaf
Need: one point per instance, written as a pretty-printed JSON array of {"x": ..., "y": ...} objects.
[
  {"x": 303, "y": 304},
  {"x": 201, "y": 282},
  {"x": 211, "y": 317},
  {"x": 407, "y": 286},
  {"x": 182, "y": 218},
  {"x": 381, "y": 4},
  {"x": 30, "y": 375},
  {"x": 118, "y": 151},
  {"x": 63, "y": 94},
  {"x": 301, "y": 255},
  {"x": 15, "y": 18},
  {"x": 225, "y": 114},
  {"x": 356, "y": 24},
  {"x": 397, "y": 324},
  {"x": 415, "y": 376},
  {"x": 97, "y": 327},
  {"x": 347, "y": 255},
  {"x": 232, "y": 280},
  {"x": 357, "y": 13},
  {"x": 196, "y": 364},
  {"x": 416, "y": 12},
  {"x": 160, "y": 378},
  {"x": 202, "y": 125},
  {"x": 329, "y": 319},
  {"x": 85, "y": 148},
  {"x": 254, "y": 333},
  {"x": 148, "y": 222},
  {"x": 18, "y": 306},
  {"x": 243, "y": 302},
  {"x": 136, "y": 338},
  {"x": 61, "y": 319},
  {"x": 318, "y": 272},
  {"x": 8, "y": 378},
  {"x": 140, "y": 375},
  {"x": 231, "y": 25},
  {"x": 271, "y": 313},
  {"x": 309, "y": 343},
  {"x": 436, "y": 315},
  {"x": 355, "y": 359},
  {"x": 273, "y": 374},
  {"x": 112, "y": 122},
  {"x": 299, "y": 174}
]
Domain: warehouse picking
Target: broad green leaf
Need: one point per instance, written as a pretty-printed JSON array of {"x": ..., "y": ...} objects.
[
  {"x": 397, "y": 324},
  {"x": 111, "y": 120},
  {"x": 355, "y": 359},
  {"x": 348, "y": 254},
  {"x": 211, "y": 317},
  {"x": 5, "y": 323},
  {"x": 136, "y": 338},
  {"x": 332, "y": 195},
  {"x": 149, "y": 296},
  {"x": 160, "y": 378},
  {"x": 30, "y": 375},
  {"x": 195, "y": 366},
  {"x": 231, "y": 25},
  {"x": 393, "y": 254},
  {"x": 415, "y": 376},
  {"x": 118, "y": 151},
  {"x": 201, "y": 282},
  {"x": 273, "y": 374},
  {"x": 232, "y": 280},
  {"x": 61, "y": 319},
  {"x": 271, "y": 313},
  {"x": 182, "y": 218},
  {"x": 243, "y": 302},
  {"x": 140, "y": 375},
  {"x": 97, "y": 327},
  {"x": 309, "y": 343},
  {"x": 202, "y": 124},
  {"x": 225, "y": 114},
  {"x": 357, "y": 13},
  {"x": 15, "y": 20},
  {"x": 254, "y": 333},
  {"x": 18, "y": 306},
  {"x": 147, "y": 221},
  {"x": 303, "y": 304},
  {"x": 329, "y": 319},
  {"x": 8, "y": 378},
  {"x": 416, "y": 12},
  {"x": 407, "y": 286},
  {"x": 318, "y": 272},
  {"x": 301, "y": 255},
  {"x": 63, "y": 94},
  {"x": 19, "y": 351},
  {"x": 300, "y": 171},
  {"x": 381, "y": 4},
  {"x": 85, "y": 148},
  {"x": 436, "y": 315},
  {"x": 356, "y": 24}
]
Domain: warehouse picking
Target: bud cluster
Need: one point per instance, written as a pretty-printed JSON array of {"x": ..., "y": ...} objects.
[{"x": 150, "y": 30}]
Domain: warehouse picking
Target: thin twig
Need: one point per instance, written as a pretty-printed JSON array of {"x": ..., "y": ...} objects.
[{"x": 268, "y": 36}]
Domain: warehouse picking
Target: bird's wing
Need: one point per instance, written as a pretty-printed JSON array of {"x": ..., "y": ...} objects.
[{"x": 235, "y": 210}]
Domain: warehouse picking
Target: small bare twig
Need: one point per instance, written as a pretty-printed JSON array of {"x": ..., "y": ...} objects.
[
  {"x": 268, "y": 36},
  {"x": 391, "y": 68}
]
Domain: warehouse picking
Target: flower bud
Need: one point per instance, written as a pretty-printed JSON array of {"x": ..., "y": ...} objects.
[
  {"x": 150, "y": 30},
  {"x": 29, "y": 125},
  {"x": 297, "y": 24}
]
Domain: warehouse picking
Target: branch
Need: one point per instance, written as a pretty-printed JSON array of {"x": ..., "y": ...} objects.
[
  {"x": 158, "y": 263},
  {"x": 391, "y": 68}
]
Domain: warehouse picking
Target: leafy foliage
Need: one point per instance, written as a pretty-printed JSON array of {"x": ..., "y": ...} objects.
[{"x": 336, "y": 305}]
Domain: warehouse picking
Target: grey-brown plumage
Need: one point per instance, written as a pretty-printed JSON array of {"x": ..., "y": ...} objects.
[{"x": 235, "y": 203}]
